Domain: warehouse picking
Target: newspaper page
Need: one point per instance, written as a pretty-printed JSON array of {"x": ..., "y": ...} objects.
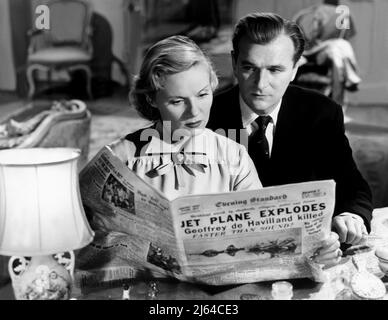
[
  {"x": 216, "y": 239},
  {"x": 255, "y": 235},
  {"x": 132, "y": 222}
]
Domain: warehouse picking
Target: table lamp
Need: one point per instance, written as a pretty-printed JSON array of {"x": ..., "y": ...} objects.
[{"x": 41, "y": 220}]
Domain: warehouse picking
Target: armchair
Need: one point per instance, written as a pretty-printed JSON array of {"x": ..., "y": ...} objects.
[
  {"x": 329, "y": 65},
  {"x": 65, "y": 46}
]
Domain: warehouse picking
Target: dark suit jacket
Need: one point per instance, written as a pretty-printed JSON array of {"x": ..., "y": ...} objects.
[{"x": 309, "y": 144}]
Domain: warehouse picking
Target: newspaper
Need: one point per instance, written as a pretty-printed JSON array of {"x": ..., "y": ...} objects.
[{"x": 216, "y": 239}]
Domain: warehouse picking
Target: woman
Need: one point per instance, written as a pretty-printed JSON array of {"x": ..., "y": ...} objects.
[{"x": 177, "y": 154}]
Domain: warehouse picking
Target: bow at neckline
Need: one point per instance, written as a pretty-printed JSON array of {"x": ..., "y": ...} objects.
[{"x": 189, "y": 161}]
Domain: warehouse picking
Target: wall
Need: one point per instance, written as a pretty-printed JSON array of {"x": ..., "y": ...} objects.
[
  {"x": 125, "y": 18},
  {"x": 7, "y": 70},
  {"x": 285, "y": 8},
  {"x": 112, "y": 10},
  {"x": 371, "y": 49}
]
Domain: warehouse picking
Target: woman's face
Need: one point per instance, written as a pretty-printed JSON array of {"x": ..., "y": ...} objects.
[{"x": 184, "y": 101}]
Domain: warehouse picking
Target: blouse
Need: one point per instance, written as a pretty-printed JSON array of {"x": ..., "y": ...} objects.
[{"x": 200, "y": 164}]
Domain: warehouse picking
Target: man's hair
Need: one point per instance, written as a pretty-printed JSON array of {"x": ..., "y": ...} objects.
[
  {"x": 262, "y": 28},
  {"x": 168, "y": 56}
]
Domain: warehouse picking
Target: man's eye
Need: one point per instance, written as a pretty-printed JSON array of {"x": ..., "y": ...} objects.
[
  {"x": 248, "y": 68},
  {"x": 275, "y": 70},
  {"x": 176, "y": 102},
  {"x": 203, "y": 94}
]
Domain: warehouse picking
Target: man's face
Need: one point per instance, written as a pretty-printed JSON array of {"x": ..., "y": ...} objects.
[{"x": 264, "y": 72}]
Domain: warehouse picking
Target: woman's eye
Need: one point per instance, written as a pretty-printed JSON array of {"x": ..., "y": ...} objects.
[{"x": 203, "y": 94}]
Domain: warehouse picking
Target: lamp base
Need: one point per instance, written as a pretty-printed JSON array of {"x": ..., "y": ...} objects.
[{"x": 42, "y": 277}]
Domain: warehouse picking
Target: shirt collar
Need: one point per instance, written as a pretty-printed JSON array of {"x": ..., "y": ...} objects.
[{"x": 248, "y": 115}]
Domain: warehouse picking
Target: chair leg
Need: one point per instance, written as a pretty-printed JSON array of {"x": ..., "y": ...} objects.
[
  {"x": 30, "y": 80},
  {"x": 89, "y": 82},
  {"x": 30, "y": 77},
  {"x": 88, "y": 77}
]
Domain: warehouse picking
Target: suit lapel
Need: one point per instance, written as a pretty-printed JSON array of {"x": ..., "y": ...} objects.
[
  {"x": 284, "y": 127},
  {"x": 233, "y": 103}
]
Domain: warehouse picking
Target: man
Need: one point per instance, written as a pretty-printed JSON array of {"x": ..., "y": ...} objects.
[{"x": 303, "y": 138}]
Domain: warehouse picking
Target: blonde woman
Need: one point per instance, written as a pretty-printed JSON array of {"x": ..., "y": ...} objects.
[{"x": 177, "y": 154}]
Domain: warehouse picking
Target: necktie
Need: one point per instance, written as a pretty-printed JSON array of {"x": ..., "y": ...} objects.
[{"x": 258, "y": 148}]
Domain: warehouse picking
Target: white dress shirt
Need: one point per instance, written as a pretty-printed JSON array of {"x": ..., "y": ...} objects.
[{"x": 248, "y": 117}]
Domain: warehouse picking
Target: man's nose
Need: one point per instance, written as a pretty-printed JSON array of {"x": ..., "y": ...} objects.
[{"x": 261, "y": 79}]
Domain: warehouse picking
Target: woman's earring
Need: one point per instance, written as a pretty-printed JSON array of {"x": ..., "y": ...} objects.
[{"x": 150, "y": 102}]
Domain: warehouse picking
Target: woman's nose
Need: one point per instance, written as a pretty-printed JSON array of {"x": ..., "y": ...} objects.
[{"x": 193, "y": 108}]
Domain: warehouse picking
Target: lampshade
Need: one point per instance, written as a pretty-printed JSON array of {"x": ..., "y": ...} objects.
[{"x": 40, "y": 205}]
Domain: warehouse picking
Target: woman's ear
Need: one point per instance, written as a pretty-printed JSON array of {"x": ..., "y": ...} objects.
[{"x": 150, "y": 101}]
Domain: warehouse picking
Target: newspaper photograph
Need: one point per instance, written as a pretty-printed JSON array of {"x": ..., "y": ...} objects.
[{"x": 216, "y": 239}]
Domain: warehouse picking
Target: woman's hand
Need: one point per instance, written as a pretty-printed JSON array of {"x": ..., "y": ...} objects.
[{"x": 330, "y": 253}]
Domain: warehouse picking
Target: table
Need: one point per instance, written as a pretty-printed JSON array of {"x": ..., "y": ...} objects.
[
  {"x": 173, "y": 290},
  {"x": 176, "y": 290}
]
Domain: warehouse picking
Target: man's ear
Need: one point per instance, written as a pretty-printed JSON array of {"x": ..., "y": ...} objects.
[{"x": 300, "y": 62}]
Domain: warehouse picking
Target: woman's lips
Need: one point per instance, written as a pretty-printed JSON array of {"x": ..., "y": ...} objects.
[{"x": 195, "y": 124}]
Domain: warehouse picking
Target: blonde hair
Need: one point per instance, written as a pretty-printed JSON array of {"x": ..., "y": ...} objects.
[{"x": 169, "y": 56}]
